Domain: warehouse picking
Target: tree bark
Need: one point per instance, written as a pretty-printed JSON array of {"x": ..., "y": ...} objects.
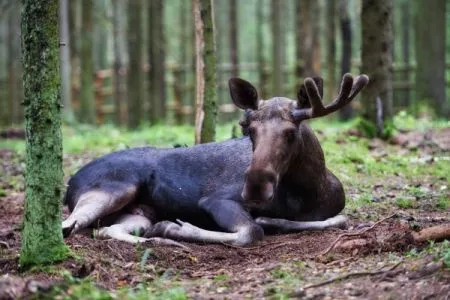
[
  {"x": 306, "y": 42},
  {"x": 4, "y": 104},
  {"x": 14, "y": 91},
  {"x": 299, "y": 43},
  {"x": 120, "y": 84},
  {"x": 262, "y": 72},
  {"x": 87, "y": 102},
  {"x": 157, "y": 60},
  {"x": 42, "y": 240},
  {"x": 234, "y": 46},
  {"x": 206, "y": 83},
  {"x": 75, "y": 46},
  {"x": 430, "y": 54},
  {"x": 405, "y": 36},
  {"x": 135, "y": 75},
  {"x": 331, "y": 49},
  {"x": 316, "y": 52},
  {"x": 346, "y": 112},
  {"x": 377, "y": 63},
  {"x": 277, "y": 48},
  {"x": 64, "y": 57}
]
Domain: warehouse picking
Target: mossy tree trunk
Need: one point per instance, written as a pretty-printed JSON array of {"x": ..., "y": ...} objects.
[
  {"x": 206, "y": 82},
  {"x": 135, "y": 76},
  {"x": 87, "y": 102},
  {"x": 377, "y": 63},
  {"x": 430, "y": 54},
  {"x": 42, "y": 240}
]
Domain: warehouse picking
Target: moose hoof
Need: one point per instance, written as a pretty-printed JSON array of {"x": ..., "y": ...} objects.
[
  {"x": 339, "y": 221},
  {"x": 68, "y": 227}
]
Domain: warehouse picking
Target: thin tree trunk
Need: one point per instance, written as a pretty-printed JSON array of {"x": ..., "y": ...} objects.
[
  {"x": 316, "y": 52},
  {"x": 346, "y": 112},
  {"x": 4, "y": 105},
  {"x": 87, "y": 102},
  {"x": 13, "y": 68},
  {"x": 277, "y": 48},
  {"x": 66, "y": 87},
  {"x": 299, "y": 43},
  {"x": 157, "y": 59},
  {"x": 75, "y": 45},
  {"x": 206, "y": 83},
  {"x": 306, "y": 37},
  {"x": 331, "y": 48},
  {"x": 100, "y": 42},
  {"x": 42, "y": 240},
  {"x": 377, "y": 63},
  {"x": 260, "y": 50},
  {"x": 430, "y": 54},
  {"x": 119, "y": 63},
  {"x": 135, "y": 75},
  {"x": 405, "y": 24},
  {"x": 234, "y": 46}
]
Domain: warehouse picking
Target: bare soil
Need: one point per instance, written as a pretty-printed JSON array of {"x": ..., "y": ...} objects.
[{"x": 284, "y": 265}]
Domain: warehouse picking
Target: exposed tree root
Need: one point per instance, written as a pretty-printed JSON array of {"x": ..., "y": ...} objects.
[{"x": 434, "y": 233}]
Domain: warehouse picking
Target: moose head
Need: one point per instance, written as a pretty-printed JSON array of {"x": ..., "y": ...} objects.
[{"x": 281, "y": 142}]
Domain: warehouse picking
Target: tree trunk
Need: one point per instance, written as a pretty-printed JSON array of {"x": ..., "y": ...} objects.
[
  {"x": 262, "y": 72},
  {"x": 135, "y": 53},
  {"x": 405, "y": 24},
  {"x": 277, "y": 48},
  {"x": 14, "y": 71},
  {"x": 75, "y": 46},
  {"x": 377, "y": 63},
  {"x": 4, "y": 104},
  {"x": 206, "y": 83},
  {"x": 316, "y": 16},
  {"x": 346, "y": 112},
  {"x": 306, "y": 37},
  {"x": 234, "y": 46},
  {"x": 120, "y": 84},
  {"x": 157, "y": 60},
  {"x": 87, "y": 102},
  {"x": 42, "y": 240},
  {"x": 331, "y": 49},
  {"x": 299, "y": 43},
  {"x": 430, "y": 54},
  {"x": 64, "y": 56}
]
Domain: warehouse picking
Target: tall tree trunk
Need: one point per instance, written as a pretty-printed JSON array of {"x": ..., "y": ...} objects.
[
  {"x": 277, "y": 48},
  {"x": 430, "y": 54},
  {"x": 157, "y": 58},
  {"x": 4, "y": 104},
  {"x": 64, "y": 57},
  {"x": 234, "y": 46},
  {"x": 119, "y": 63},
  {"x": 206, "y": 83},
  {"x": 377, "y": 63},
  {"x": 346, "y": 112},
  {"x": 101, "y": 33},
  {"x": 331, "y": 48},
  {"x": 14, "y": 94},
  {"x": 75, "y": 46},
  {"x": 405, "y": 24},
  {"x": 262, "y": 72},
  {"x": 299, "y": 43},
  {"x": 316, "y": 16},
  {"x": 42, "y": 240},
  {"x": 87, "y": 102},
  {"x": 135, "y": 53},
  {"x": 306, "y": 37}
]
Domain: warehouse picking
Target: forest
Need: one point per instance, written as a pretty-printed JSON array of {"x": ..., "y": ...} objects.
[{"x": 202, "y": 79}]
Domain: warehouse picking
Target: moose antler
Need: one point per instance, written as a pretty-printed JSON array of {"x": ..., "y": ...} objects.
[{"x": 349, "y": 89}]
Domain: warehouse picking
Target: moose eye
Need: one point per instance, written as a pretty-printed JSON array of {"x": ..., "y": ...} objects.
[{"x": 290, "y": 135}]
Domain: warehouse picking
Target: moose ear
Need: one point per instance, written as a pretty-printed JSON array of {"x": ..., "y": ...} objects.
[
  {"x": 302, "y": 96},
  {"x": 243, "y": 94}
]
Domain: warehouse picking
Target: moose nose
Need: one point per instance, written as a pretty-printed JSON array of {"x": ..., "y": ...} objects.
[{"x": 259, "y": 186}]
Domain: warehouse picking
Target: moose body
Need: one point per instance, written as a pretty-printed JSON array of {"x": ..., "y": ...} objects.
[{"x": 274, "y": 177}]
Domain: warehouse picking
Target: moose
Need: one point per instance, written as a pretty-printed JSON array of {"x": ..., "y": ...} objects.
[{"x": 272, "y": 178}]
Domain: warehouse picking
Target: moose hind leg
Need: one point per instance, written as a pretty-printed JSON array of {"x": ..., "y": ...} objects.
[
  {"x": 339, "y": 221},
  {"x": 127, "y": 228},
  {"x": 95, "y": 204}
]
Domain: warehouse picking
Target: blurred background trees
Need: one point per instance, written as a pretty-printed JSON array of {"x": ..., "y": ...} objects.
[{"x": 133, "y": 62}]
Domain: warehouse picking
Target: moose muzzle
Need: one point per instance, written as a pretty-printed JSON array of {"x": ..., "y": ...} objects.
[{"x": 259, "y": 186}]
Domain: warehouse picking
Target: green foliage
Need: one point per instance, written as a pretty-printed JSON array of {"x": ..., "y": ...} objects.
[
  {"x": 406, "y": 203},
  {"x": 439, "y": 251}
]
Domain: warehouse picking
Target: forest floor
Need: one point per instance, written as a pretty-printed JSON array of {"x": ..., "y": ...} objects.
[{"x": 393, "y": 189}]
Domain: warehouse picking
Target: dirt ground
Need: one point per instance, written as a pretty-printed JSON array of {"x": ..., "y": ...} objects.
[{"x": 377, "y": 264}]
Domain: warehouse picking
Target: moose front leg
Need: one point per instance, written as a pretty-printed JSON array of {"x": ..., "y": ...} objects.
[
  {"x": 283, "y": 225},
  {"x": 229, "y": 215}
]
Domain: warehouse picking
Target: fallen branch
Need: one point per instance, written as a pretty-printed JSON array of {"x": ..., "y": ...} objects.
[
  {"x": 355, "y": 234},
  {"x": 5, "y": 244},
  {"x": 351, "y": 275},
  {"x": 434, "y": 233}
]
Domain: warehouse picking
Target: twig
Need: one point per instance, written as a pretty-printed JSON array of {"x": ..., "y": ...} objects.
[
  {"x": 336, "y": 262},
  {"x": 350, "y": 275},
  {"x": 355, "y": 234}
]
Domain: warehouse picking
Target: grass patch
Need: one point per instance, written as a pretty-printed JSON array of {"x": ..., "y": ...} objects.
[
  {"x": 403, "y": 202},
  {"x": 443, "y": 202}
]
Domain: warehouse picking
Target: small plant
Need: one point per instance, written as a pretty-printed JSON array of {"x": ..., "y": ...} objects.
[
  {"x": 406, "y": 203},
  {"x": 221, "y": 277},
  {"x": 443, "y": 202}
]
